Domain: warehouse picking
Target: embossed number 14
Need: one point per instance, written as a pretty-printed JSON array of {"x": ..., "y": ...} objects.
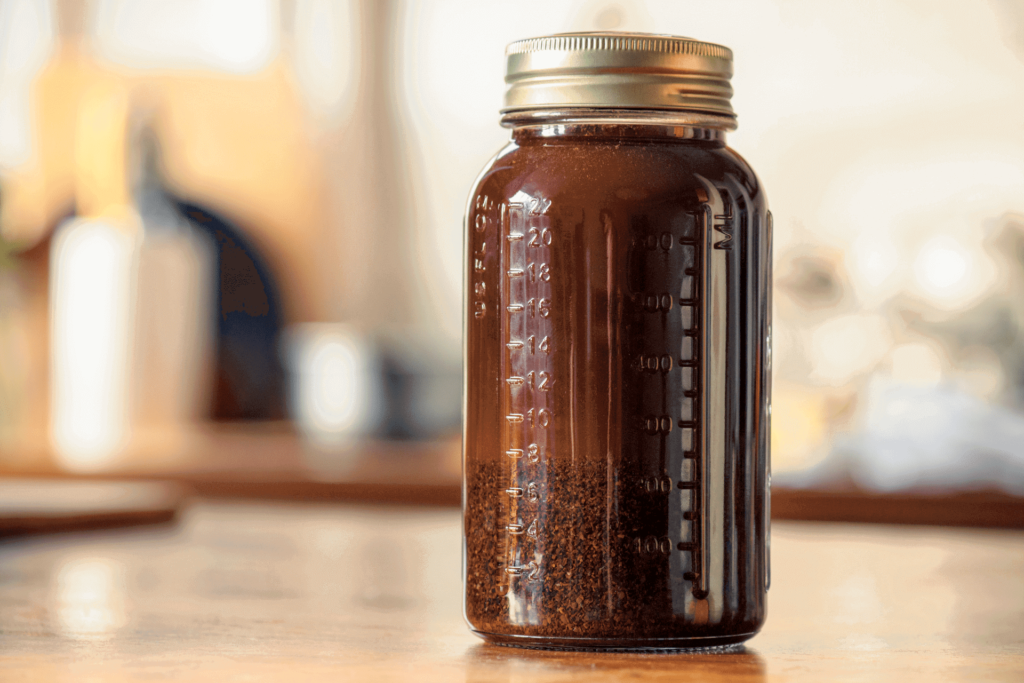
[{"x": 533, "y": 345}]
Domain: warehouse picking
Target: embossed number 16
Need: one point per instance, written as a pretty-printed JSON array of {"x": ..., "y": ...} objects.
[{"x": 540, "y": 307}]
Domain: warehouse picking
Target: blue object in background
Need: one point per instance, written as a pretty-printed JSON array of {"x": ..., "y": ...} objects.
[{"x": 249, "y": 380}]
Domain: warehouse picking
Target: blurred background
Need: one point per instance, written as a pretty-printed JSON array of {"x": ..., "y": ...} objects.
[{"x": 231, "y": 239}]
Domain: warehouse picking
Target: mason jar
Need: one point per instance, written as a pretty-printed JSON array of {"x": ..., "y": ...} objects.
[{"x": 617, "y": 355}]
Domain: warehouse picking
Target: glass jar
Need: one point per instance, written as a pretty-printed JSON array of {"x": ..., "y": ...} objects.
[{"x": 617, "y": 340}]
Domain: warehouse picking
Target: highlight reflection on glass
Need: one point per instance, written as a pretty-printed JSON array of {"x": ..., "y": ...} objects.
[{"x": 90, "y": 598}]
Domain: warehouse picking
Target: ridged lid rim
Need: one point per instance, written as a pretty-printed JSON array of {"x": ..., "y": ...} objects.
[
  {"x": 639, "y": 42},
  {"x": 607, "y": 69}
]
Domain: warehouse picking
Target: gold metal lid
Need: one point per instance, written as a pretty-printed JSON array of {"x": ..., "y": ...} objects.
[{"x": 612, "y": 70}]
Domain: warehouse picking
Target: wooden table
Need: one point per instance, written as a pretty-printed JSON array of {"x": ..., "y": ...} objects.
[
  {"x": 268, "y": 461},
  {"x": 262, "y": 592}
]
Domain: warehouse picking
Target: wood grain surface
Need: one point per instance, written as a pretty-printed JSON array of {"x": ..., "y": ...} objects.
[{"x": 269, "y": 592}]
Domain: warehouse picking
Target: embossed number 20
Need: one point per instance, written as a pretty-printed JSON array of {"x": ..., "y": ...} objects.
[{"x": 540, "y": 238}]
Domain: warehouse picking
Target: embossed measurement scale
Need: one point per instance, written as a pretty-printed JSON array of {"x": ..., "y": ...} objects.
[{"x": 527, "y": 370}]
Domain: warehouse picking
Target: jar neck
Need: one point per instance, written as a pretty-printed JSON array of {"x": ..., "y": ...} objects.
[{"x": 618, "y": 123}]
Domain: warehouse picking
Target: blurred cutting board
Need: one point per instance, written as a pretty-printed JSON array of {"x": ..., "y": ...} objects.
[{"x": 37, "y": 506}]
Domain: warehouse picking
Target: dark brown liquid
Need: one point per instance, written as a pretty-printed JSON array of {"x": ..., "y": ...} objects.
[{"x": 616, "y": 452}]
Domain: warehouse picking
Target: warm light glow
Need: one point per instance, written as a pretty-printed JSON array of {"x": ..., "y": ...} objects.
[
  {"x": 846, "y": 346},
  {"x": 941, "y": 265},
  {"x": 950, "y": 275},
  {"x": 90, "y": 598},
  {"x": 916, "y": 363},
  {"x": 799, "y": 428},
  {"x": 90, "y": 333},
  {"x": 26, "y": 39},
  {"x": 953, "y": 275},
  {"x": 873, "y": 260},
  {"x": 450, "y": 94},
  {"x": 236, "y": 36},
  {"x": 101, "y": 175},
  {"x": 326, "y": 54}
]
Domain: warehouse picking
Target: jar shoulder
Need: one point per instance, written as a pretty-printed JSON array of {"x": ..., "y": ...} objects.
[
  {"x": 742, "y": 173},
  {"x": 569, "y": 169}
]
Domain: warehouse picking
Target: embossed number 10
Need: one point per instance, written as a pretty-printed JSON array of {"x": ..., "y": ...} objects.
[{"x": 540, "y": 418}]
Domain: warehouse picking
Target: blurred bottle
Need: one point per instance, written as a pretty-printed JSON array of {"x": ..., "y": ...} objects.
[
  {"x": 129, "y": 312},
  {"x": 174, "y": 292}
]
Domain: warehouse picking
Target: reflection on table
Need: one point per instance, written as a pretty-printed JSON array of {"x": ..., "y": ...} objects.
[{"x": 279, "y": 591}]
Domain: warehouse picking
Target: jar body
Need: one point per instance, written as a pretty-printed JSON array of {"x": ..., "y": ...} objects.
[{"x": 617, "y": 391}]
